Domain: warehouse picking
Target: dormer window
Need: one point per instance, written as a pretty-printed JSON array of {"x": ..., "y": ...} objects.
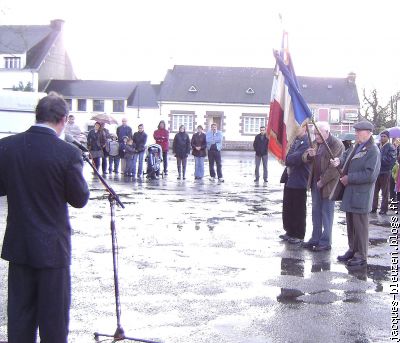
[
  {"x": 304, "y": 85},
  {"x": 250, "y": 91},
  {"x": 330, "y": 86},
  {"x": 12, "y": 62},
  {"x": 192, "y": 89}
]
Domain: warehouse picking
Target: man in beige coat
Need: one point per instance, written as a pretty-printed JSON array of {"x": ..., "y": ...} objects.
[{"x": 322, "y": 179}]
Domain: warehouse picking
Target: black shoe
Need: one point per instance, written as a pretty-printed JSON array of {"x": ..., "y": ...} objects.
[
  {"x": 373, "y": 211},
  {"x": 321, "y": 248},
  {"x": 347, "y": 256},
  {"x": 308, "y": 245},
  {"x": 165, "y": 172},
  {"x": 256, "y": 180},
  {"x": 382, "y": 213},
  {"x": 284, "y": 236},
  {"x": 356, "y": 261},
  {"x": 294, "y": 240}
]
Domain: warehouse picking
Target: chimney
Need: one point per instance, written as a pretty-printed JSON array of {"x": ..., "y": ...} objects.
[
  {"x": 351, "y": 77},
  {"x": 57, "y": 24}
]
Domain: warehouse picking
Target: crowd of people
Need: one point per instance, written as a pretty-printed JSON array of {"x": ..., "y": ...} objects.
[
  {"x": 125, "y": 151},
  {"x": 354, "y": 175}
]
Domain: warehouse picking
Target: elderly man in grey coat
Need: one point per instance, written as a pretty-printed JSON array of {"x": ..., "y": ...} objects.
[{"x": 361, "y": 165}]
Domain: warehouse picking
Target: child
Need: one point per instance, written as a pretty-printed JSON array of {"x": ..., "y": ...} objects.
[
  {"x": 129, "y": 151},
  {"x": 113, "y": 153},
  {"x": 122, "y": 146}
]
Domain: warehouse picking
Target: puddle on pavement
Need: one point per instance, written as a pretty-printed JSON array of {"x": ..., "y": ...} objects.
[{"x": 377, "y": 241}]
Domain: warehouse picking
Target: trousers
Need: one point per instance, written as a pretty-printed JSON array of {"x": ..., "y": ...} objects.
[{"x": 38, "y": 299}]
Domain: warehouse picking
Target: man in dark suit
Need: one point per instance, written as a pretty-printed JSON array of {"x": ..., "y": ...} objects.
[
  {"x": 40, "y": 174},
  {"x": 260, "y": 146}
]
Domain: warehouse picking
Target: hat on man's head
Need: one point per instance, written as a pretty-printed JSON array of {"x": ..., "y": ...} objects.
[
  {"x": 385, "y": 132},
  {"x": 364, "y": 125}
]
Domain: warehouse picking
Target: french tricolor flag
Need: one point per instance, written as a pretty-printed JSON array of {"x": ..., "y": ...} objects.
[{"x": 288, "y": 109}]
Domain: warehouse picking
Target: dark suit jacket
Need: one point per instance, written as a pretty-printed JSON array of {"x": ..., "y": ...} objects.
[{"x": 40, "y": 174}]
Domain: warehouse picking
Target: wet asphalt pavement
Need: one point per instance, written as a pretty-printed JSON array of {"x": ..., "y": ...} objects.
[{"x": 201, "y": 261}]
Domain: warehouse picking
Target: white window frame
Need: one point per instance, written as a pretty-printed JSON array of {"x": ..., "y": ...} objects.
[
  {"x": 81, "y": 102},
  {"x": 115, "y": 105},
  {"x": 100, "y": 101},
  {"x": 178, "y": 119},
  {"x": 12, "y": 62},
  {"x": 252, "y": 124},
  {"x": 334, "y": 116},
  {"x": 69, "y": 102}
]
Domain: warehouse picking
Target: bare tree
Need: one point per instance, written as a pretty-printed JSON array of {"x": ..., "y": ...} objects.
[{"x": 382, "y": 116}]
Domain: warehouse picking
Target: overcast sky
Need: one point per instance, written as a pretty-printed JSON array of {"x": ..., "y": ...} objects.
[{"x": 140, "y": 40}]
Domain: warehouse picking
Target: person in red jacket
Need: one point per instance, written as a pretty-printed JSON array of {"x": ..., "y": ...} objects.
[{"x": 161, "y": 136}]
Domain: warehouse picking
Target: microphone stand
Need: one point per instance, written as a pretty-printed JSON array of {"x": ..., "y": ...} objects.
[{"x": 113, "y": 198}]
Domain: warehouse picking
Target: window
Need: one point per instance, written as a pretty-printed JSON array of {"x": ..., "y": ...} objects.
[
  {"x": 98, "y": 105},
  {"x": 182, "y": 119},
  {"x": 118, "y": 106},
  {"x": 192, "y": 89},
  {"x": 323, "y": 114},
  {"x": 251, "y": 125},
  {"x": 350, "y": 115},
  {"x": 335, "y": 115},
  {"x": 69, "y": 102},
  {"x": 250, "y": 91},
  {"x": 12, "y": 62},
  {"x": 82, "y": 105}
]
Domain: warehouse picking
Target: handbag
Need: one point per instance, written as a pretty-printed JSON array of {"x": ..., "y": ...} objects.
[
  {"x": 285, "y": 176},
  {"x": 337, "y": 191},
  {"x": 395, "y": 171}
]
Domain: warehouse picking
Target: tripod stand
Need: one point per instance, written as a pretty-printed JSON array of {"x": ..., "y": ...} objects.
[{"x": 113, "y": 198}]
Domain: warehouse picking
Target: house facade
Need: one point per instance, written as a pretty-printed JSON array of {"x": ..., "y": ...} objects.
[
  {"x": 32, "y": 55},
  {"x": 238, "y": 99},
  {"x": 136, "y": 101}
]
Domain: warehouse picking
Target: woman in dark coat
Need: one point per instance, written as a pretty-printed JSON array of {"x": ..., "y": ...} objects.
[
  {"x": 199, "y": 145},
  {"x": 181, "y": 150},
  {"x": 95, "y": 142}
]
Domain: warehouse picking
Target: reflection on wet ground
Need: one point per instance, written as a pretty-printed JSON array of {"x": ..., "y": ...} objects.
[{"x": 202, "y": 262}]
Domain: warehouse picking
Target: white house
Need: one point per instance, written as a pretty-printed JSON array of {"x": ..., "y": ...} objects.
[
  {"x": 32, "y": 55},
  {"x": 238, "y": 98}
]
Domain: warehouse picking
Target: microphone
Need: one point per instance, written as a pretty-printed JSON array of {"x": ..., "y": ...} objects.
[{"x": 72, "y": 140}]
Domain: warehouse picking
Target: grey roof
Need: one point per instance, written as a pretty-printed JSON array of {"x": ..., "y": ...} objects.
[
  {"x": 145, "y": 95},
  {"x": 230, "y": 85},
  {"x": 34, "y": 40},
  {"x": 328, "y": 90},
  {"x": 141, "y": 93},
  {"x": 217, "y": 84}
]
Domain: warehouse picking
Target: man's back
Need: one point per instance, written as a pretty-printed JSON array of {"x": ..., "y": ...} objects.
[{"x": 40, "y": 174}]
